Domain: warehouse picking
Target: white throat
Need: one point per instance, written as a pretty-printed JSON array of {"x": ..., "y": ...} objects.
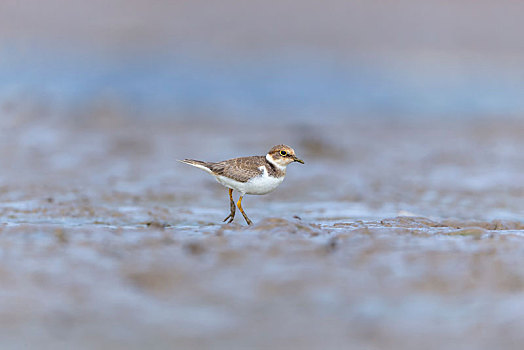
[{"x": 270, "y": 159}]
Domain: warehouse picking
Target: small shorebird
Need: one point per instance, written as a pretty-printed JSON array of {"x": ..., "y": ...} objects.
[{"x": 249, "y": 175}]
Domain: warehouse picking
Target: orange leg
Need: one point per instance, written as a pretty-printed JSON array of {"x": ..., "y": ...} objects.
[
  {"x": 231, "y": 215},
  {"x": 239, "y": 205}
]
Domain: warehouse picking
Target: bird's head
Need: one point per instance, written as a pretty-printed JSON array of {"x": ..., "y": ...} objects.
[{"x": 282, "y": 155}]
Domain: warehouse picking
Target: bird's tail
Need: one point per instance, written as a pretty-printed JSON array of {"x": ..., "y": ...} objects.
[{"x": 197, "y": 163}]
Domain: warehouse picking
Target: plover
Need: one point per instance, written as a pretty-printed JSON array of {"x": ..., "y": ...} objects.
[{"x": 249, "y": 175}]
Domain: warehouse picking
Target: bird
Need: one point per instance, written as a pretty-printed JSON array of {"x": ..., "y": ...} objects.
[{"x": 256, "y": 175}]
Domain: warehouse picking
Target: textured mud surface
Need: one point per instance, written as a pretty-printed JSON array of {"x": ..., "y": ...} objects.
[{"x": 392, "y": 235}]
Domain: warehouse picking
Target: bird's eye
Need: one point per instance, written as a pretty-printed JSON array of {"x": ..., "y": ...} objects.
[{"x": 283, "y": 153}]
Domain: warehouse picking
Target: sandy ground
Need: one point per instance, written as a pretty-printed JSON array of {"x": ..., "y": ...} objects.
[{"x": 396, "y": 235}]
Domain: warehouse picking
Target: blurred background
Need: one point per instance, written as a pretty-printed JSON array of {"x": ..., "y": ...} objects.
[
  {"x": 288, "y": 60},
  {"x": 404, "y": 98},
  {"x": 403, "y": 230}
]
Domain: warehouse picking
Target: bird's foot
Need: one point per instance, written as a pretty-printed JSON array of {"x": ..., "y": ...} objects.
[
  {"x": 230, "y": 217},
  {"x": 249, "y": 222}
]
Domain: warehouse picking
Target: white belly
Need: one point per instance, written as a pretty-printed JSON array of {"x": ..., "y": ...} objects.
[
  {"x": 263, "y": 184},
  {"x": 258, "y": 185}
]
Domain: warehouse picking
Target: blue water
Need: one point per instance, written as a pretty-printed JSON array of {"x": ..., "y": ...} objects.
[{"x": 296, "y": 86}]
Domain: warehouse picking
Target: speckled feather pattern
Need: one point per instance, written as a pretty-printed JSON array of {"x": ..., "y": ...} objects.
[{"x": 240, "y": 169}]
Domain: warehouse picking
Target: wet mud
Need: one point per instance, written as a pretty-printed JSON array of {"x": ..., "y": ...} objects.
[{"x": 393, "y": 235}]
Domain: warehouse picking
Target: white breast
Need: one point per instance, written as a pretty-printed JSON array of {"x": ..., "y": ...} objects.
[
  {"x": 264, "y": 183},
  {"x": 261, "y": 184}
]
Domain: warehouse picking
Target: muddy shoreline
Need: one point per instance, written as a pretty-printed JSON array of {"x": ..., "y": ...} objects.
[{"x": 408, "y": 234}]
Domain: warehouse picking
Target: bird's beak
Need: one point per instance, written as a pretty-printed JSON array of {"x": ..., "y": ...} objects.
[{"x": 298, "y": 160}]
